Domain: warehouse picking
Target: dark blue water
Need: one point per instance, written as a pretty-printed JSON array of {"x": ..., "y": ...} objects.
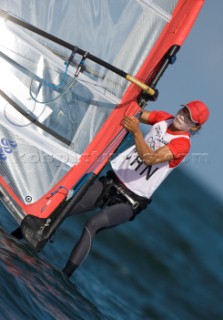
[{"x": 166, "y": 265}]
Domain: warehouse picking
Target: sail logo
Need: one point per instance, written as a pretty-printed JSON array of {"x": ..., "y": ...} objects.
[{"x": 6, "y": 147}]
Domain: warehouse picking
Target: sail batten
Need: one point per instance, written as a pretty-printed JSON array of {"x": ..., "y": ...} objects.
[{"x": 157, "y": 9}]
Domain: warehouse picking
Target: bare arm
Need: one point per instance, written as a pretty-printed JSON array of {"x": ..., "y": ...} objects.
[
  {"x": 148, "y": 156},
  {"x": 144, "y": 117}
]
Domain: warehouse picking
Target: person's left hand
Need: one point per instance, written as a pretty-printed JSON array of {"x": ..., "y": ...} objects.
[{"x": 131, "y": 124}]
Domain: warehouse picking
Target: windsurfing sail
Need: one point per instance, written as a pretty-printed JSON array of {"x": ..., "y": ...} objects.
[{"x": 63, "y": 94}]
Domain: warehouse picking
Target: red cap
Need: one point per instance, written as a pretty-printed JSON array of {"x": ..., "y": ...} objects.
[{"x": 199, "y": 112}]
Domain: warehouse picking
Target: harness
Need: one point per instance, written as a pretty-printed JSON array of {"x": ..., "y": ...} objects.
[{"x": 115, "y": 192}]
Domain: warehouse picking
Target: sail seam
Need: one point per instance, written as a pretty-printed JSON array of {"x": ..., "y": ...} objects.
[{"x": 156, "y": 9}]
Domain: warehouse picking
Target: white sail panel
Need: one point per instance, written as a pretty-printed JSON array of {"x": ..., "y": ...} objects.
[{"x": 120, "y": 32}]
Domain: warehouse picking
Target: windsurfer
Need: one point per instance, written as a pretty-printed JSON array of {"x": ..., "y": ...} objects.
[{"x": 137, "y": 172}]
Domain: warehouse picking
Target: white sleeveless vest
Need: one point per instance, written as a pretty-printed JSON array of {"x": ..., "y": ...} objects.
[{"x": 138, "y": 177}]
